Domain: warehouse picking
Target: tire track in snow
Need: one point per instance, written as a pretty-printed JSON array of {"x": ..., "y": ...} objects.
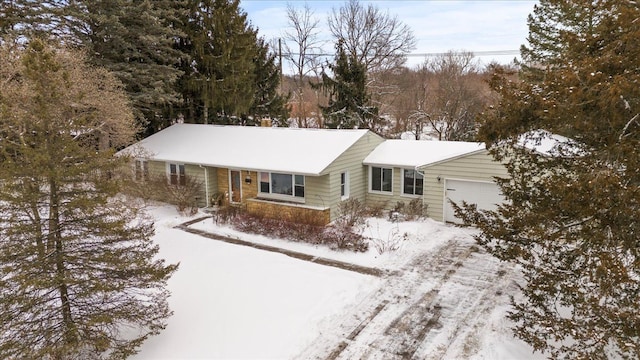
[{"x": 410, "y": 311}]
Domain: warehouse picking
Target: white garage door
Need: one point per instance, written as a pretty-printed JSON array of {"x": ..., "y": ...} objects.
[{"x": 485, "y": 194}]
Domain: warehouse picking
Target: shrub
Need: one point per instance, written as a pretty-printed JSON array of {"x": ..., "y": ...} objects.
[
  {"x": 341, "y": 236},
  {"x": 375, "y": 210},
  {"x": 304, "y": 228},
  {"x": 184, "y": 197},
  {"x": 416, "y": 209},
  {"x": 226, "y": 214},
  {"x": 391, "y": 242},
  {"x": 351, "y": 212},
  {"x": 408, "y": 212}
]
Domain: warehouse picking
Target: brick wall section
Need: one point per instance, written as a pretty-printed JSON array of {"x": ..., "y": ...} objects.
[
  {"x": 222, "y": 175},
  {"x": 289, "y": 212},
  {"x": 249, "y": 191}
]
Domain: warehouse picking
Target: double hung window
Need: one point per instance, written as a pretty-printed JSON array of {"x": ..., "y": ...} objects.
[
  {"x": 344, "y": 185},
  {"x": 177, "y": 175},
  {"x": 412, "y": 182},
  {"x": 381, "y": 179}
]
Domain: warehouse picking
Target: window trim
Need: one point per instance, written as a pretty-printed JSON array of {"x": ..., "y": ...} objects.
[
  {"x": 382, "y": 192},
  {"x": 402, "y": 177},
  {"x": 345, "y": 185},
  {"x": 181, "y": 176},
  {"x": 283, "y": 197}
]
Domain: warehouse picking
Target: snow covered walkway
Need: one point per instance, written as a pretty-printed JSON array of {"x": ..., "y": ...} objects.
[{"x": 294, "y": 254}]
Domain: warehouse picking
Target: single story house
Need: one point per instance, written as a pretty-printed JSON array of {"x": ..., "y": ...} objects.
[
  {"x": 308, "y": 172},
  {"x": 272, "y": 171}
]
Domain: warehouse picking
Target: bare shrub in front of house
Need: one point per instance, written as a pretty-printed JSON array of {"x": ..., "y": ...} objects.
[
  {"x": 375, "y": 210},
  {"x": 346, "y": 231},
  {"x": 183, "y": 195},
  {"x": 352, "y": 212},
  {"x": 341, "y": 237},
  {"x": 301, "y": 227},
  {"x": 389, "y": 242},
  {"x": 414, "y": 210},
  {"x": 226, "y": 214},
  {"x": 280, "y": 228}
]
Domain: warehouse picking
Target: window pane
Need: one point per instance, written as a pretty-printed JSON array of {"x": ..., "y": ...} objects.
[
  {"x": 281, "y": 184},
  {"x": 173, "y": 174},
  {"x": 299, "y": 180},
  {"x": 419, "y": 183},
  {"x": 264, "y": 182},
  {"x": 386, "y": 179},
  {"x": 376, "y": 177},
  {"x": 299, "y": 191},
  {"x": 408, "y": 181}
]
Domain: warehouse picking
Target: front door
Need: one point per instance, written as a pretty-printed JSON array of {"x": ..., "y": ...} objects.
[{"x": 235, "y": 186}]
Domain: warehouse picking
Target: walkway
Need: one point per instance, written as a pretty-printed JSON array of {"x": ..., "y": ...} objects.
[{"x": 294, "y": 254}]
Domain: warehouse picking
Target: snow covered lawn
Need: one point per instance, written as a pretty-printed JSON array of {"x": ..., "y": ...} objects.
[{"x": 237, "y": 302}]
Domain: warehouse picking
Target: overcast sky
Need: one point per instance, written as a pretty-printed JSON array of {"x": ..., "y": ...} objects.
[{"x": 482, "y": 27}]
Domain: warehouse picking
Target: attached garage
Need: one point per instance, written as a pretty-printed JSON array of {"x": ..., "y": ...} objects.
[
  {"x": 467, "y": 177},
  {"x": 486, "y": 195}
]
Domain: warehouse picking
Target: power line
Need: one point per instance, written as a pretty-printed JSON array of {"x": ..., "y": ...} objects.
[{"x": 430, "y": 54}]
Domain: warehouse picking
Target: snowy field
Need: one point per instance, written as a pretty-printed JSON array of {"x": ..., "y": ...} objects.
[{"x": 443, "y": 298}]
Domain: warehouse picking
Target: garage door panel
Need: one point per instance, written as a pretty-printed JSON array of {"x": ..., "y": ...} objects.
[{"x": 486, "y": 195}]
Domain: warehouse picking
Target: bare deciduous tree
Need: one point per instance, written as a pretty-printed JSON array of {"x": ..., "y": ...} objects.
[
  {"x": 452, "y": 94},
  {"x": 302, "y": 49},
  {"x": 377, "y": 39}
]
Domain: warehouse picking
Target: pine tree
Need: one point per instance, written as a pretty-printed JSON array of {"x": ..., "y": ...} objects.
[
  {"x": 78, "y": 273},
  {"x": 267, "y": 102},
  {"x": 348, "y": 106},
  {"x": 219, "y": 78},
  {"x": 571, "y": 222},
  {"x": 135, "y": 40}
]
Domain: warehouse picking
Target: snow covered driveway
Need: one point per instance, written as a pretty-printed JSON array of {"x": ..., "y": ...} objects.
[
  {"x": 437, "y": 308},
  {"x": 442, "y": 298}
]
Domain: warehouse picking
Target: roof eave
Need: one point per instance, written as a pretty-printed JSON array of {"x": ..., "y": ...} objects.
[{"x": 451, "y": 158}]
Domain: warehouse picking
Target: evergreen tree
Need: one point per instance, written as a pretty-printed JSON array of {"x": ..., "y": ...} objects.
[
  {"x": 267, "y": 102},
  {"x": 348, "y": 105},
  {"x": 135, "y": 40},
  {"x": 572, "y": 217},
  {"x": 78, "y": 274},
  {"x": 219, "y": 76}
]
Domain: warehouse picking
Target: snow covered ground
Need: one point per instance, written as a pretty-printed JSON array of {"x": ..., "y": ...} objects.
[{"x": 444, "y": 298}]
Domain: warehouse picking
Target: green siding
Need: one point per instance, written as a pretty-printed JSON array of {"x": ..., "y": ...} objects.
[
  {"x": 157, "y": 168},
  {"x": 316, "y": 189},
  {"x": 389, "y": 200},
  {"x": 478, "y": 166},
  {"x": 350, "y": 161}
]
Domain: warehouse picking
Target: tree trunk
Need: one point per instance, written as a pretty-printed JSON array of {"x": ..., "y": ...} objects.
[{"x": 55, "y": 238}]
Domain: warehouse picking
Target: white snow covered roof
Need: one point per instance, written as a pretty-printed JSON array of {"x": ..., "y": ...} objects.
[
  {"x": 408, "y": 153},
  {"x": 548, "y": 144},
  {"x": 300, "y": 151}
]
